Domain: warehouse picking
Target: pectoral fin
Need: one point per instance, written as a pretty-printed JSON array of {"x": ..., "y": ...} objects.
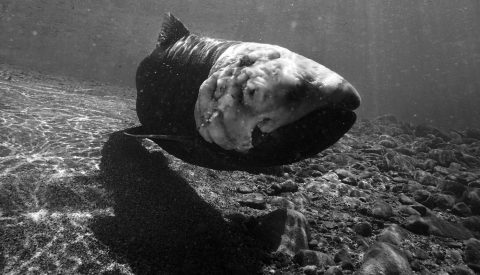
[{"x": 164, "y": 137}]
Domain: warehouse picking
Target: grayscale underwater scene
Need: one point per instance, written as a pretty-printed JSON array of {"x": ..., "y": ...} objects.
[{"x": 240, "y": 137}]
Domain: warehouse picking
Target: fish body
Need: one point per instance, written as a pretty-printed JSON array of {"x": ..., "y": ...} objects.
[{"x": 233, "y": 105}]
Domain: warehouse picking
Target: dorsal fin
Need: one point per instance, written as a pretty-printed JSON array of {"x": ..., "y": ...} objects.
[{"x": 172, "y": 30}]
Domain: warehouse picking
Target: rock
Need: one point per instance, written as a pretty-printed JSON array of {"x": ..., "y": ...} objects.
[
  {"x": 340, "y": 159},
  {"x": 376, "y": 150},
  {"x": 473, "y": 133},
  {"x": 415, "y": 265},
  {"x": 242, "y": 189},
  {"x": 472, "y": 252},
  {"x": 444, "y": 201},
  {"x": 421, "y": 209},
  {"x": 439, "y": 255},
  {"x": 384, "y": 258},
  {"x": 463, "y": 270},
  {"x": 472, "y": 223},
  {"x": 408, "y": 210},
  {"x": 395, "y": 161},
  {"x": 253, "y": 200},
  {"x": 363, "y": 229},
  {"x": 286, "y": 186},
  {"x": 393, "y": 234},
  {"x": 334, "y": 270},
  {"x": 285, "y": 230},
  {"x": 443, "y": 157},
  {"x": 404, "y": 150},
  {"x": 471, "y": 198},
  {"x": 425, "y": 178},
  {"x": 310, "y": 257},
  {"x": 301, "y": 200},
  {"x": 421, "y": 254},
  {"x": 452, "y": 186},
  {"x": 412, "y": 186},
  {"x": 281, "y": 202},
  {"x": 424, "y": 197},
  {"x": 387, "y": 143},
  {"x": 455, "y": 255},
  {"x": 364, "y": 185},
  {"x": 382, "y": 210},
  {"x": 319, "y": 168},
  {"x": 310, "y": 270},
  {"x": 405, "y": 200},
  {"x": 432, "y": 225},
  {"x": 461, "y": 209},
  {"x": 345, "y": 260},
  {"x": 331, "y": 176}
]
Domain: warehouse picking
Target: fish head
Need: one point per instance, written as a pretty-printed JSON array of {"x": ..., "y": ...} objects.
[{"x": 260, "y": 93}]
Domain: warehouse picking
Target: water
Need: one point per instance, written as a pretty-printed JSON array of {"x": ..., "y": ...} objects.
[{"x": 418, "y": 60}]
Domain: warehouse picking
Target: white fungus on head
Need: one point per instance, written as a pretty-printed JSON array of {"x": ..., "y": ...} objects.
[{"x": 263, "y": 85}]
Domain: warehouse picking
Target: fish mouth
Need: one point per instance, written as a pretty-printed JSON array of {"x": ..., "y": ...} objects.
[{"x": 296, "y": 141}]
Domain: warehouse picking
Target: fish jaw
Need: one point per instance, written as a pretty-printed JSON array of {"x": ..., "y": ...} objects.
[{"x": 263, "y": 86}]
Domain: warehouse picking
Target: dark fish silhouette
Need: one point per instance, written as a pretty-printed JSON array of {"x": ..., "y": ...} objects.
[{"x": 234, "y": 105}]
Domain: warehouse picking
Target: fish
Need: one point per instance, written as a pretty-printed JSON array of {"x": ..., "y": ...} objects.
[{"x": 233, "y": 105}]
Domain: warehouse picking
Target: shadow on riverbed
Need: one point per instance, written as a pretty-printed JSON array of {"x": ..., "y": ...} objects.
[{"x": 161, "y": 225}]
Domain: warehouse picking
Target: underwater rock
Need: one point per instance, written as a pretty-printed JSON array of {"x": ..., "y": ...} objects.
[
  {"x": 471, "y": 197},
  {"x": 443, "y": 157},
  {"x": 393, "y": 234},
  {"x": 284, "y": 230},
  {"x": 461, "y": 209},
  {"x": 384, "y": 258},
  {"x": 473, "y": 133},
  {"x": 472, "y": 252},
  {"x": 395, "y": 161},
  {"x": 382, "y": 210},
  {"x": 344, "y": 258},
  {"x": 425, "y": 178},
  {"x": 363, "y": 229},
  {"x": 452, "y": 186},
  {"x": 432, "y": 225},
  {"x": 253, "y": 200},
  {"x": 310, "y": 257},
  {"x": 444, "y": 201}
]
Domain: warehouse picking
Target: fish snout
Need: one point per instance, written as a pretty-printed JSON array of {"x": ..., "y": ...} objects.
[{"x": 345, "y": 96}]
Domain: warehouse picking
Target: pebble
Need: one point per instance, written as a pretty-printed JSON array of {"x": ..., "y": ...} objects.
[
  {"x": 461, "y": 209},
  {"x": 393, "y": 234},
  {"x": 432, "y": 225},
  {"x": 334, "y": 270},
  {"x": 286, "y": 186},
  {"x": 408, "y": 210},
  {"x": 472, "y": 251},
  {"x": 382, "y": 210},
  {"x": 244, "y": 189},
  {"x": 253, "y": 200},
  {"x": 310, "y": 270},
  {"x": 438, "y": 254},
  {"x": 363, "y": 229},
  {"x": 309, "y": 257},
  {"x": 421, "y": 254},
  {"x": 463, "y": 270},
  {"x": 455, "y": 255},
  {"x": 404, "y": 199},
  {"x": 344, "y": 258}
]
